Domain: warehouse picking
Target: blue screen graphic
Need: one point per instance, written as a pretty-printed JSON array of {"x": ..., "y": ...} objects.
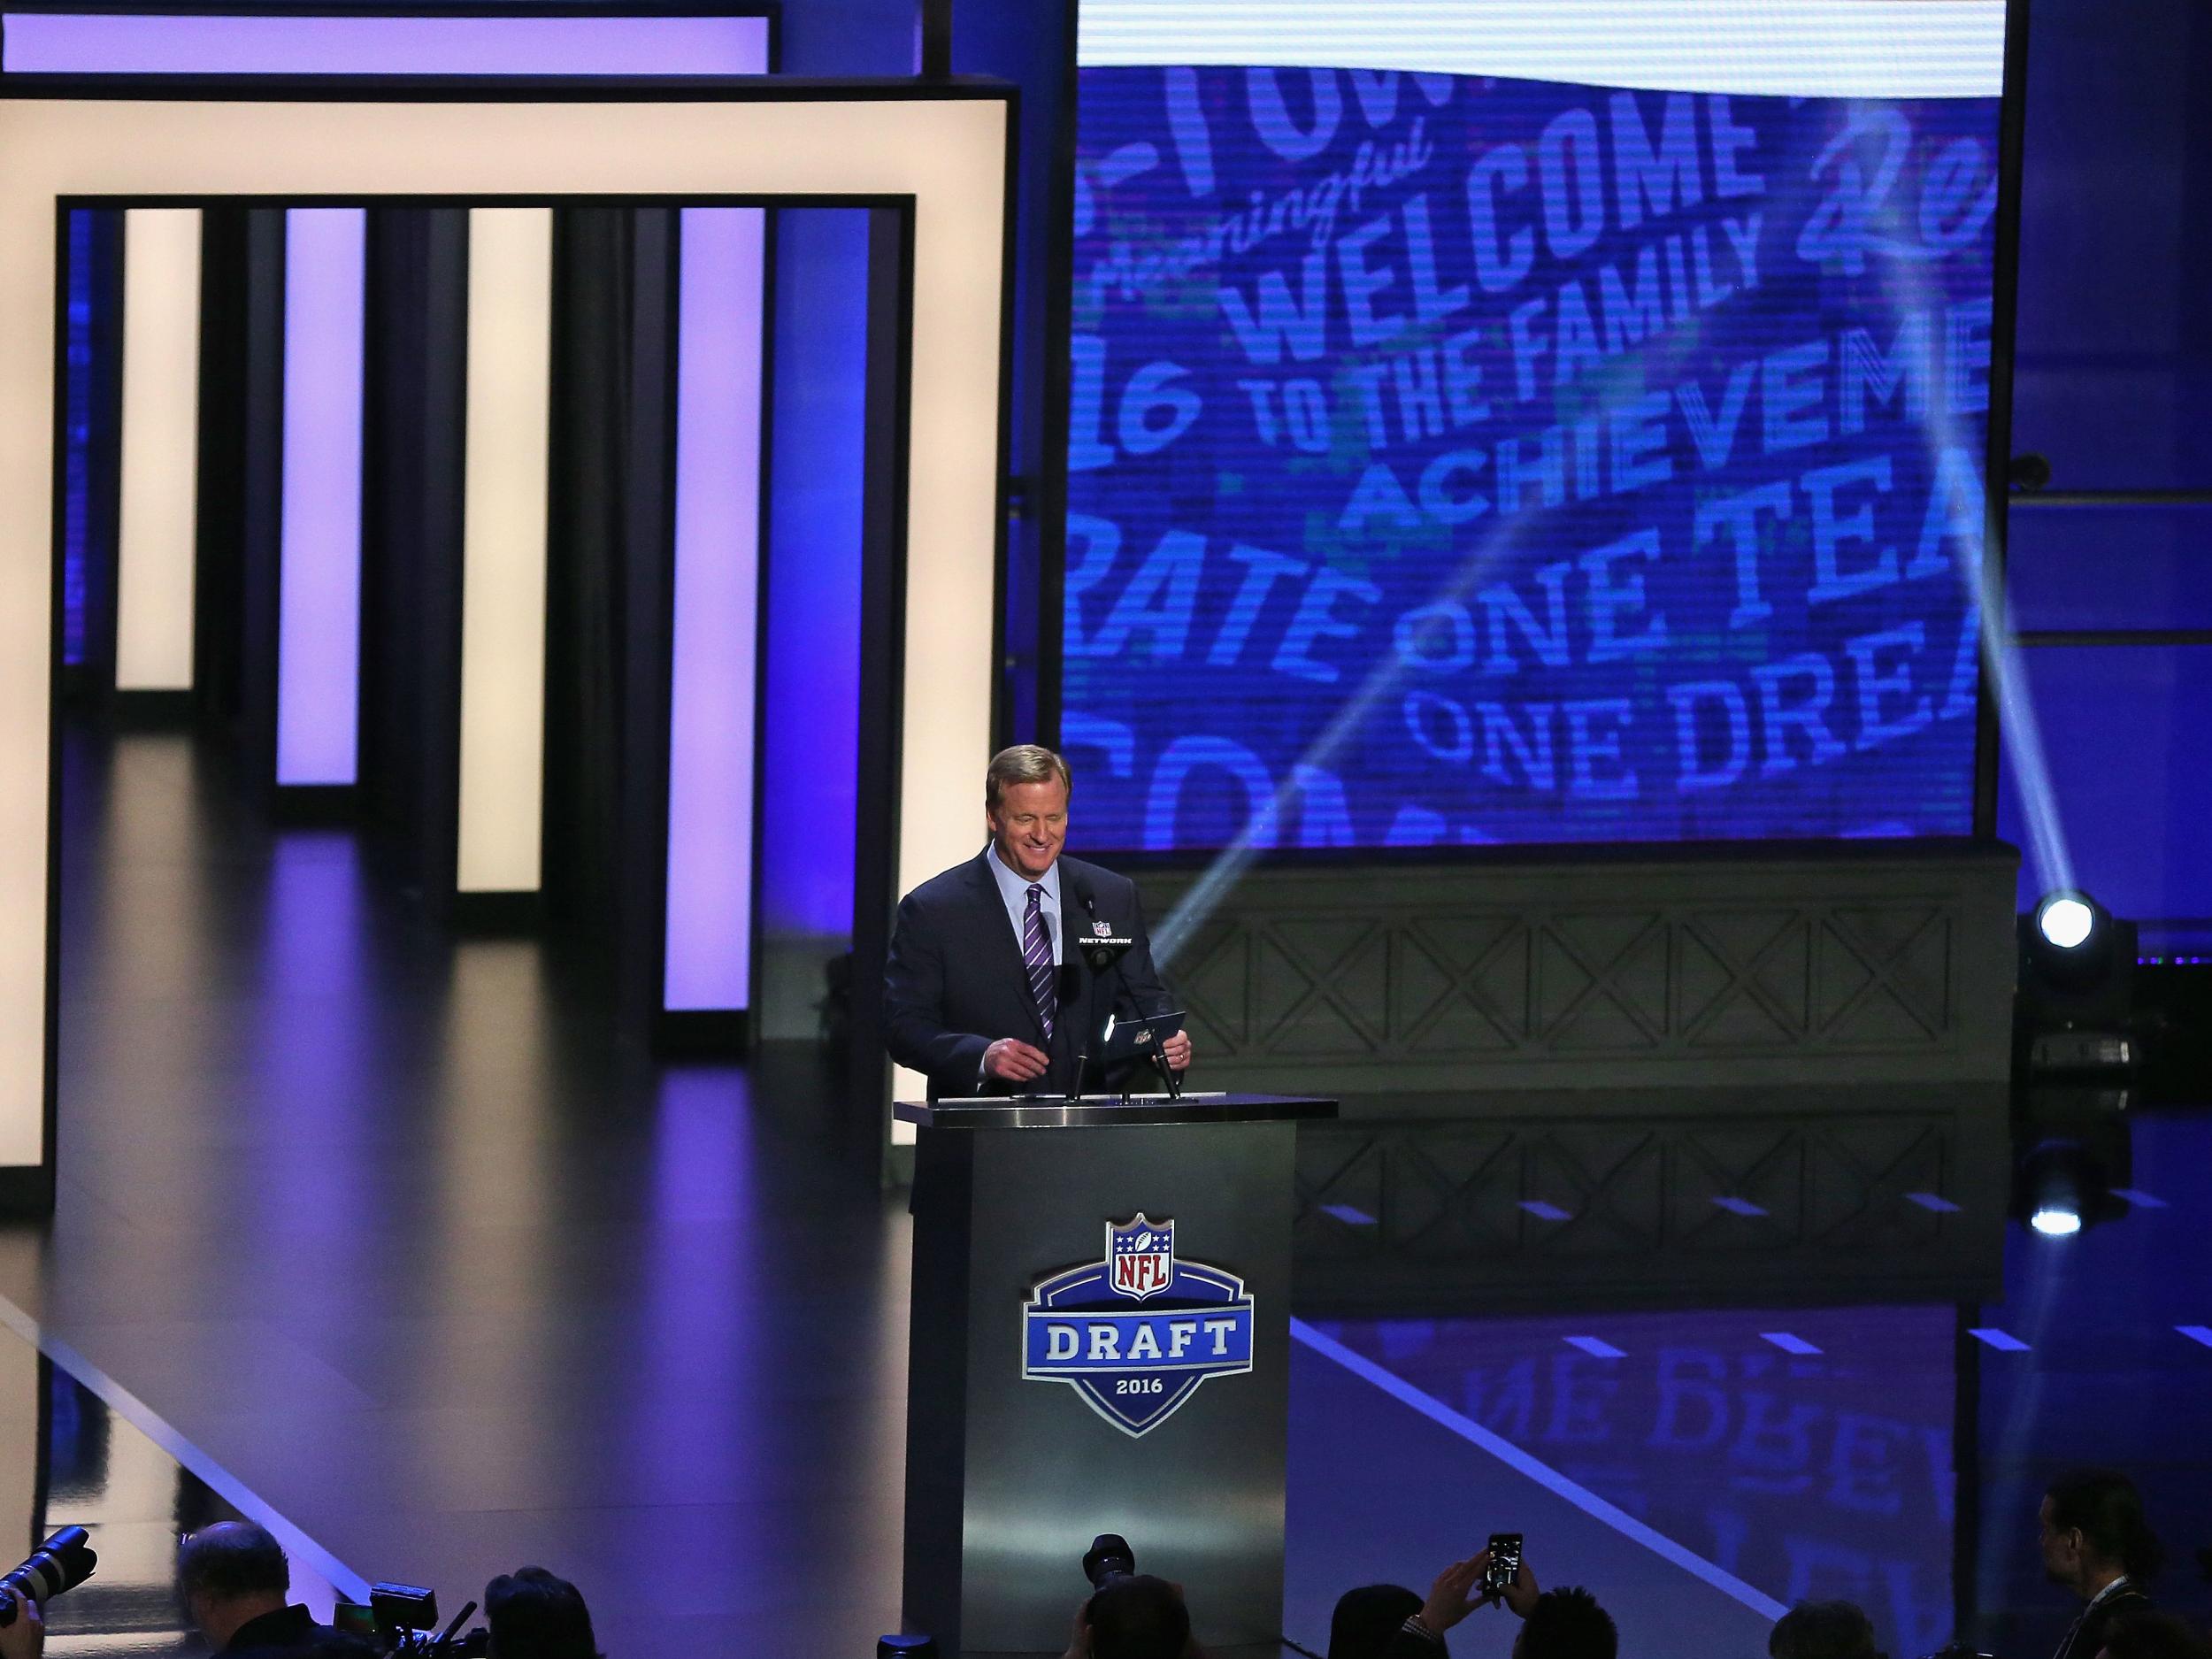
[{"x": 1458, "y": 460}]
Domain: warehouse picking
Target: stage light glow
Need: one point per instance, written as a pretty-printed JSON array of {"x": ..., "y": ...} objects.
[
  {"x": 2062, "y": 1184},
  {"x": 160, "y": 450},
  {"x": 2065, "y": 920}
]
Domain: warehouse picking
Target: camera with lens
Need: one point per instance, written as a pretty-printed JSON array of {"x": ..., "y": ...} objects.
[
  {"x": 1109, "y": 1558},
  {"x": 401, "y": 1619},
  {"x": 62, "y": 1563}
]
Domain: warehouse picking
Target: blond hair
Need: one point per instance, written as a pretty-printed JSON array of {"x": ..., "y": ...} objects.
[{"x": 1025, "y": 763}]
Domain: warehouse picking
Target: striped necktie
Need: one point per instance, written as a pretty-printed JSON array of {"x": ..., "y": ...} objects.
[{"x": 1037, "y": 956}]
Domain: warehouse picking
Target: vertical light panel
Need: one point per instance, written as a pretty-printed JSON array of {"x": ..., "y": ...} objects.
[
  {"x": 809, "y": 717},
  {"x": 160, "y": 443},
  {"x": 708, "y": 963},
  {"x": 77, "y": 434},
  {"x": 319, "y": 624},
  {"x": 502, "y": 548}
]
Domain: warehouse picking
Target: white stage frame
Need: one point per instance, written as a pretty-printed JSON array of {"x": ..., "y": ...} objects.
[{"x": 946, "y": 149}]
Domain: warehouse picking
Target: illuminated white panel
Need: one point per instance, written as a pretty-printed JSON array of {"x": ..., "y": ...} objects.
[
  {"x": 1824, "y": 49},
  {"x": 503, "y": 548},
  {"x": 160, "y": 450},
  {"x": 947, "y": 153}
]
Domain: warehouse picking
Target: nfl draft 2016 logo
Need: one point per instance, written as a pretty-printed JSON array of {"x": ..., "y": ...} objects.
[{"x": 1136, "y": 1333}]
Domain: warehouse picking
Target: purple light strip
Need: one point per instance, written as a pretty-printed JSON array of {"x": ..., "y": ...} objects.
[
  {"x": 319, "y": 605},
  {"x": 140, "y": 43},
  {"x": 711, "y": 730}
]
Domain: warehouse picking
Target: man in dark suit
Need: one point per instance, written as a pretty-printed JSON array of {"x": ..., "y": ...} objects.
[
  {"x": 2098, "y": 1544},
  {"x": 984, "y": 993},
  {"x": 235, "y": 1585}
]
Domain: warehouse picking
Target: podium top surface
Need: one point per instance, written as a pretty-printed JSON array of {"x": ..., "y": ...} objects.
[{"x": 1097, "y": 1111}]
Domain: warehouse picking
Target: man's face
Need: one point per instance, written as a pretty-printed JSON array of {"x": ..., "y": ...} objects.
[
  {"x": 1030, "y": 825},
  {"x": 2061, "y": 1550}
]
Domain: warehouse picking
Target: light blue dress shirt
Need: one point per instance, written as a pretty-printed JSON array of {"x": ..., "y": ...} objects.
[{"x": 1013, "y": 887}]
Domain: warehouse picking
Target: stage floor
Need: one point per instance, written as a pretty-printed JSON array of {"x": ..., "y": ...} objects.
[{"x": 379, "y": 1235}]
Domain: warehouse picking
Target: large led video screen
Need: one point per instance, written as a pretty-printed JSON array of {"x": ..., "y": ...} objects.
[{"x": 1527, "y": 420}]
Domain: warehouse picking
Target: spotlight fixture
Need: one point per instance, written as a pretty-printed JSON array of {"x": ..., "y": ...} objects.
[{"x": 2076, "y": 988}]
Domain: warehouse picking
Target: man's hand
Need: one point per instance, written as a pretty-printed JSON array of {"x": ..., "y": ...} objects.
[
  {"x": 1521, "y": 1597},
  {"x": 1176, "y": 1051},
  {"x": 1010, "y": 1060},
  {"x": 25, "y": 1637},
  {"x": 1452, "y": 1597}
]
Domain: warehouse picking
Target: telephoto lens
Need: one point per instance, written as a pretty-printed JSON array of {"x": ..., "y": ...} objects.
[
  {"x": 1109, "y": 1557},
  {"x": 62, "y": 1563}
]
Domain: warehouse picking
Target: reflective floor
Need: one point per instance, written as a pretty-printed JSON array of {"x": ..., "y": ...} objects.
[
  {"x": 391, "y": 1234},
  {"x": 66, "y": 1459},
  {"x": 388, "y": 1229}
]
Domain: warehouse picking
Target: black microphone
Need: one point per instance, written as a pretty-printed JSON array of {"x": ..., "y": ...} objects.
[
  {"x": 1083, "y": 1058},
  {"x": 1102, "y": 946},
  {"x": 1102, "y": 950},
  {"x": 1159, "y": 1064},
  {"x": 1090, "y": 908}
]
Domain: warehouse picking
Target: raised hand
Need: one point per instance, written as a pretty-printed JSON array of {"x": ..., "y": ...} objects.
[{"x": 1453, "y": 1596}]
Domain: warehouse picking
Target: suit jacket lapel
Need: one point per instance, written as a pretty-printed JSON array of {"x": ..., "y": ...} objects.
[{"x": 1006, "y": 953}]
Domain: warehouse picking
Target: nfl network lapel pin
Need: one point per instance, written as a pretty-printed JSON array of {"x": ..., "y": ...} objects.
[
  {"x": 1103, "y": 930},
  {"x": 1137, "y": 1332}
]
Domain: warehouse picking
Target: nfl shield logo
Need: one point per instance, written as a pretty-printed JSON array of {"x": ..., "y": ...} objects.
[
  {"x": 1141, "y": 1256},
  {"x": 1103, "y": 930},
  {"x": 1136, "y": 1366}
]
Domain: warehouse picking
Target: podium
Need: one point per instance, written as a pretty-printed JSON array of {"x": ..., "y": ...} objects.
[{"x": 1100, "y": 1343}]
